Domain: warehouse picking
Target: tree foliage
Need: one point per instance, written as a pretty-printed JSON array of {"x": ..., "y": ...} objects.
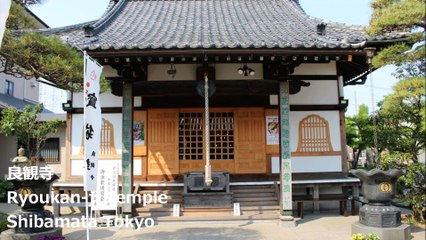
[
  {"x": 401, "y": 16},
  {"x": 30, "y": 54},
  {"x": 359, "y": 132},
  {"x": 401, "y": 117},
  {"x": 27, "y": 128}
]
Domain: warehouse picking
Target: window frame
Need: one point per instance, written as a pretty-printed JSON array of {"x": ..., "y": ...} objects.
[
  {"x": 9, "y": 88},
  {"x": 57, "y": 141}
]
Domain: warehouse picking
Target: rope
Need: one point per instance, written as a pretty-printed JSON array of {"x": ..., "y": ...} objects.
[{"x": 208, "y": 178}]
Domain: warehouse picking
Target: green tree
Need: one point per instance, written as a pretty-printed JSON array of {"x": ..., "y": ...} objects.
[
  {"x": 27, "y": 128},
  {"x": 359, "y": 132},
  {"x": 401, "y": 118},
  {"x": 30, "y": 54},
  {"x": 402, "y": 16}
]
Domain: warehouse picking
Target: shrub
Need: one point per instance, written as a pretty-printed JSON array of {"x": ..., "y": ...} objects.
[
  {"x": 414, "y": 192},
  {"x": 360, "y": 236},
  {"x": 5, "y": 186},
  {"x": 3, "y": 222}
]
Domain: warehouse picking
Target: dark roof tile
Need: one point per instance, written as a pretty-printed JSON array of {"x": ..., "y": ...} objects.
[{"x": 207, "y": 24}]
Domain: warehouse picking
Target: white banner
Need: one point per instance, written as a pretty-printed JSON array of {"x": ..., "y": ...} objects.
[
  {"x": 106, "y": 195},
  {"x": 92, "y": 121},
  {"x": 4, "y": 13}
]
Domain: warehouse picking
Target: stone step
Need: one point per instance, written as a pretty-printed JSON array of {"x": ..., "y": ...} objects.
[
  {"x": 162, "y": 191},
  {"x": 209, "y": 217},
  {"x": 260, "y": 208},
  {"x": 253, "y": 190},
  {"x": 204, "y": 210},
  {"x": 170, "y": 196},
  {"x": 156, "y": 209},
  {"x": 253, "y": 195},
  {"x": 254, "y": 199},
  {"x": 252, "y": 187},
  {"x": 263, "y": 203}
]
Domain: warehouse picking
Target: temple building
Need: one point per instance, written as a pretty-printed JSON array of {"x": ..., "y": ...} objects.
[{"x": 274, "y": 77}]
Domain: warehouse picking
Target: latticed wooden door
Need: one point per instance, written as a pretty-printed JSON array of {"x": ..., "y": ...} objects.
[
  {"x": 250, "y": 148},
  {"x": 192, "y": 152},
  {"x": 162, "y": 142}
]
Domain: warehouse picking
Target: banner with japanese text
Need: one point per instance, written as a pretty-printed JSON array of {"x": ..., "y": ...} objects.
[
  {"x": 92, "y": 121},
  {"x": 4, "y": 13},
  {"x": 106, "y": 195}
]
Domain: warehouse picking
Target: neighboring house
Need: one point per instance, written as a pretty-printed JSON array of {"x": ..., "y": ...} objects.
[
  {"x": 18, "y": 92},
  {"x": 279, "y": 76}
]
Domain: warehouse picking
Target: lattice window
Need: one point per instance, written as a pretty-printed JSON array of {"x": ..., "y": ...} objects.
[
  {"x": 314, "y": 135},
  {"x": 191, "y": 138},
  {"x": 222, "y": 136},
  {"x": 51, "y": 150},
  {"x": 107, "y": 139}
]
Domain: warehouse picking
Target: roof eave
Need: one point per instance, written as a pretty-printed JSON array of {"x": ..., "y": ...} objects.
[{"x": 224, "y": 51}]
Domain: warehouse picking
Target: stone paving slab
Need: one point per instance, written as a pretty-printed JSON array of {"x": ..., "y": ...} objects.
[
  {"x": 329, "y": 226},
  {"x": 312, "y": 227}
]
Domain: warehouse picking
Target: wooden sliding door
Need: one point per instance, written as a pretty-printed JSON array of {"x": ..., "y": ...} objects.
[
  {"x": 162, "y": 142},
  {"x": 250, "y": 151}
]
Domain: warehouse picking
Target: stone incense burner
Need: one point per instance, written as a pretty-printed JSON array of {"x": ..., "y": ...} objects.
[{"x": 379, "y": 188}]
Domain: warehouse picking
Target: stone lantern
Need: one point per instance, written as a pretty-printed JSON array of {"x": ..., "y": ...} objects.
[
  {"x": 34, "y": 186},
  {"x": 378, "y": 216}
]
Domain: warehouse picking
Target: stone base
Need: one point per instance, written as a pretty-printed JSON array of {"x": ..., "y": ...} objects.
[
  {"x": 287, "y": 222},
  {"x": 207, "y": 200},
  {"x": 11, "y": 235},
  {"x": 380, "y": 216},
  {"x": 402, "y": 232}
]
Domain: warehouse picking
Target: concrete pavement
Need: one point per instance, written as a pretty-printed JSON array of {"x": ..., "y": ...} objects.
[
  {"x": 312, "y": 227},
  {"x": 329, "y": 226}
]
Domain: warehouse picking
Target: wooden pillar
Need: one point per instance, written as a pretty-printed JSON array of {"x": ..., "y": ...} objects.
[
  {"x": 286, "y": 207},
  {"x": 127, "y": 139}
]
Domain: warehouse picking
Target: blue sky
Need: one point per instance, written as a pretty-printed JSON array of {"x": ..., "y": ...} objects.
[{"x": 57, "y": 13}]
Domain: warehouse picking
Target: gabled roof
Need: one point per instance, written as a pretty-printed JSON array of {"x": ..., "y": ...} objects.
[{"x": 210, "y": 24}]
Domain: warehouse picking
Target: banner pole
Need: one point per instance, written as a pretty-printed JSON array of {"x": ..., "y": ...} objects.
[
  {"x": 86, "y": 191},
  {"x": 87, "y": 215}
]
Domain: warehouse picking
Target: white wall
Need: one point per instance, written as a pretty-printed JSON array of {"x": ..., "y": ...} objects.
[
  {"x": 319, "y": 92},
  {"x": 8, "y": 146},
  {"x": 52, "y": 98},
  {"x": 332, "y": 117},
  {"x": 77, "y": 131},
  {"x": 224, "y": 71},
  {"x": 308, "y": 164},
  {"x": 316, "y": 68},
  {"x": 23, "y": 89}
]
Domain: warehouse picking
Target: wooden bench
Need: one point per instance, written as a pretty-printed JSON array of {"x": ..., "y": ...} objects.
[
  {"x": 301, "y": 199},
  {"x": 313, "y": 186}
]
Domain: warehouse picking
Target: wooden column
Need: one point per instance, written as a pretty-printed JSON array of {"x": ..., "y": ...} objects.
[
  {"x": 127, "y": 139},
  {"x": 285, "y": 178}
]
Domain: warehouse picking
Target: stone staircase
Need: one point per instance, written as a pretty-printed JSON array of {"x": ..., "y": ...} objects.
[{"x": 257, "y": 203}]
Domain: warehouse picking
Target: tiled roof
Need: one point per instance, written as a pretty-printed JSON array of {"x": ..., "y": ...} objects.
[
  {"x": 210, "y": 24},
  {"x": 7, "y": 101}
]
